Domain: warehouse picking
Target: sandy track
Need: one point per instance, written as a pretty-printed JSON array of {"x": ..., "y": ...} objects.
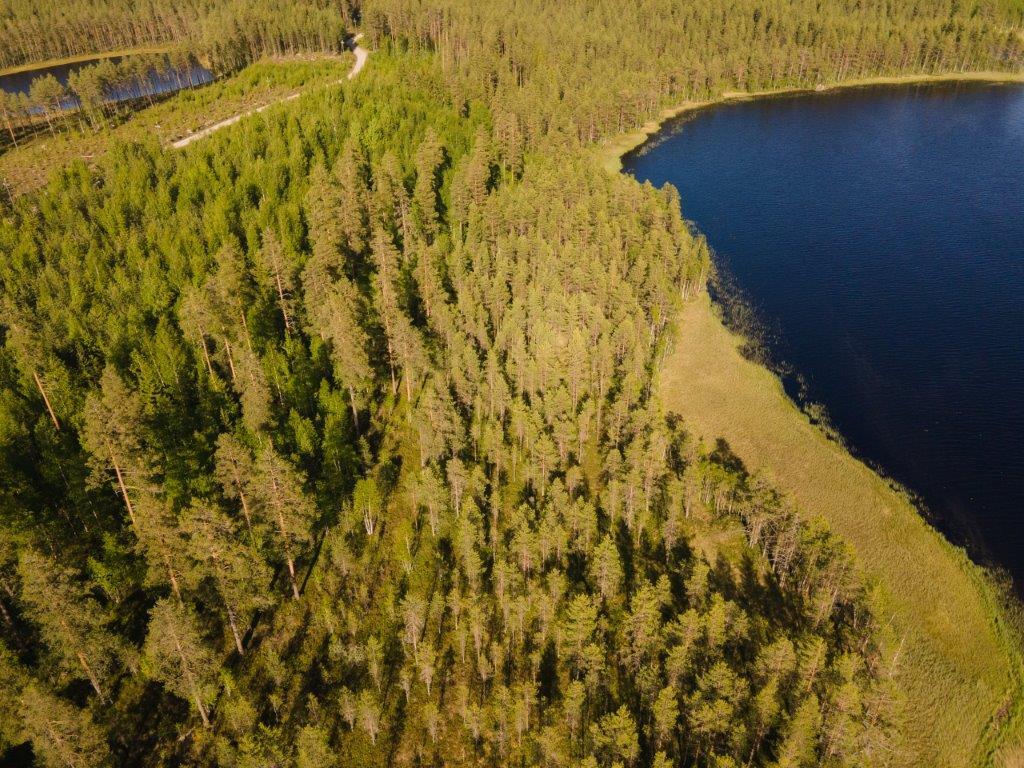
[{"x": 361, "y": 56}]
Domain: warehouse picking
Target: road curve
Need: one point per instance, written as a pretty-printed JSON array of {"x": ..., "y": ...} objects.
[{"x": 361, "y": 56}]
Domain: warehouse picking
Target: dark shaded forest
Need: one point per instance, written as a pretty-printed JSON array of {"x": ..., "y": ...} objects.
[{"x": 331, "y": 440}]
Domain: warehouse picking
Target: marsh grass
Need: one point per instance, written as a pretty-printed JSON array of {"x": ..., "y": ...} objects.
[{"x": 951, "y": 627}]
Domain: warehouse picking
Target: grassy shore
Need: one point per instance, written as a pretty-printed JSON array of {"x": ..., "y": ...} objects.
[
  {"x": 38, "y": 65},
  {"x": 958, "y": 655},
  {"x": 958, "y": 660}
]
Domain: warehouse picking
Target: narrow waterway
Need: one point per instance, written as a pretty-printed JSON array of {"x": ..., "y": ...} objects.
[{"x": 878, "y": 236}]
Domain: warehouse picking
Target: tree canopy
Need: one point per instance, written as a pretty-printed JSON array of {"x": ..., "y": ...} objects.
[
  {"x": 331, "y": 440},
  {"x": 227, "y": 33}
]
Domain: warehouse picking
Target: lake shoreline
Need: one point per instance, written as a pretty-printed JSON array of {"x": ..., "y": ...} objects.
[
  {"x": 613, "y": 151},
  {"x": 84, "y": 58},
  {"x": 948, "y": 609}
]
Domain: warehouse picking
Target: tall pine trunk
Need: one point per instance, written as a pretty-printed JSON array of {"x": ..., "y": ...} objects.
[
  {"x": 191, "y": 682},
  {"x": 124, "y": 490},
  {"x": 46, "y": 400}
]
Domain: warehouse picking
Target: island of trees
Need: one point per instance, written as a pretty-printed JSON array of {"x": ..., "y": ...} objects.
[{"x": 332, "y": 440}]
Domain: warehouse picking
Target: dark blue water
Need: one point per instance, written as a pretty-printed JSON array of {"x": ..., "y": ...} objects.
[
  {"x": 878, "y": 234},
  {"x": 155, "y": 83}
]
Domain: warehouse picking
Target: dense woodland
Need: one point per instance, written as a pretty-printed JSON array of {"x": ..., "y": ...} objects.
[
  {"x": 617, "y": 63},
  {"x": 331, "y": 440},
  {"x": 226, "y": 34}
]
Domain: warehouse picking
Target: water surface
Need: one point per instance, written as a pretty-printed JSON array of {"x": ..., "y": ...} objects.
[
  {"x": 879, "y": 236},
  {"x": 154, "y": 84}
]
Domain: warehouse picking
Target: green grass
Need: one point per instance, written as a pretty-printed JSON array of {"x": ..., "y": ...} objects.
[
  {"x": 959, "y": 660},
  {"x": 29, "y": 166}
]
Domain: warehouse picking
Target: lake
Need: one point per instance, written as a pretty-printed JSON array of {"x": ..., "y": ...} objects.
[
  {"x": 877, "y": 235},
  {"x": 157, "y": 82}
]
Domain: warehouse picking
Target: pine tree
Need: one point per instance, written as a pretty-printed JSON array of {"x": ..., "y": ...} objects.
[
  {"x": 71, "y": 621},
  {"x": 333, "y": 307},
  {"x": 615, "y": 736},
  {"x": 62, "y": 735},
  {"x": 279, "y": 274},
  {"x": 278, "y": 490},
  {"x": 28, "y": 350},
  {"x": 352, "y": 173},
  {"x": 234, "y": 471},
  {"x": 606, "y": 569},
  {"x": 389, "y": 203},
  {"x": 46, "y": 95},
  {"x": 254, "y": 390},
  {"x": 13, "y": 679},
  {"x": 113, "y": 435},
  {"x": 161, "y": 539},
  {"x": 176, "y": 655},
  {"x": 237, "y": 575},
  {"x": 429, "y": 157},
  {"x": 8, "y": 112},
  {"x": 323, "y": 209},
  {"x": 666, "y": 717}
]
